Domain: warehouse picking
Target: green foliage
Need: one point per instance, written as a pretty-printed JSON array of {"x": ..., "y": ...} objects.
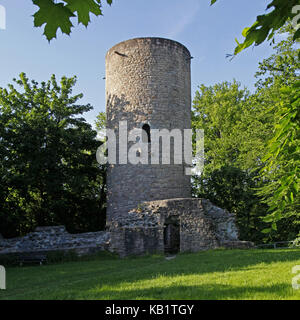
[
  {"x": 281, "y": 169},
  {"x": 282, "y": 67},
  {"x": 235, "y": 129},
  {"x": 252, "y": 146},
  {"x": 101, "y": 121},
  {"x": 55, "y": 15},
  {"x": 233, "y": 189},
  {"x": 295, "y": 243},
  {"x": 48, "y": 169},
  {"x": 267, "y": 24},
  {"x": 235, "y": 123},
  {"x": 278, "y": 86},
  {"x": 218, "y": 110},
  {"x": 83, "y": 9},
  {"x": 58, "y": 15}
]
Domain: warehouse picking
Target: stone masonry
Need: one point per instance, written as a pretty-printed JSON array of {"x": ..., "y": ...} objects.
[
  {"x": 45, "y": 239},
  {"x": 148, "y": 85},
  {"x": 201, "y": 225},
  {"x": 147, "y": 82}
]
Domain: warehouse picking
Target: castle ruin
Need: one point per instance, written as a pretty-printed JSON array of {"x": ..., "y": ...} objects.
[{"x": 150, "y": 208}]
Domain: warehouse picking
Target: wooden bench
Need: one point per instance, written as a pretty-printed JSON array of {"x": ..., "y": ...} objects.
[{"x": 32, "y": 258}]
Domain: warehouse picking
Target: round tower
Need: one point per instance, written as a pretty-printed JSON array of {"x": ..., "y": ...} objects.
[{"x": 148, "y": 86}]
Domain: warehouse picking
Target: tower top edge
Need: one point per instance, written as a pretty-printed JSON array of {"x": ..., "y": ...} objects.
[{"x": 155, "y": 41}]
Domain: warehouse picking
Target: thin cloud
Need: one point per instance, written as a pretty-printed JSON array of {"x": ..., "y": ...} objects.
[{"x": 188, "y": 17}]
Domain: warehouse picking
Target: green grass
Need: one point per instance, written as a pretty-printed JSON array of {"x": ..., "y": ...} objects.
[{"x": 219, "y": 274}]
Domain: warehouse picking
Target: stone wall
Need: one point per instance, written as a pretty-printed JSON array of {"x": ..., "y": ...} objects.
[
  {"x": 202, "y": 226},
  {"x": 137, "y": 241},
  {"x": 56, "y": 238}
]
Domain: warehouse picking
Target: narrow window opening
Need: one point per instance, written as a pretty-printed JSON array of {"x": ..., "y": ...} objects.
[{"x": 146, "y": 135}]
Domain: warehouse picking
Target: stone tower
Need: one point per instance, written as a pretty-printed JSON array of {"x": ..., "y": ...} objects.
[
  {"x": 148, "y": 84},
  {"x": 150, "y": 209}
]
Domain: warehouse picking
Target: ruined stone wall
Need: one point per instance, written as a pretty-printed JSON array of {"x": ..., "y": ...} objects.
[
  {"x": 202, "y": 226},
  {"x": 55, "y": 239},
  {"x": 137, "y": 241},
  {"x": 147, "y": 82}
]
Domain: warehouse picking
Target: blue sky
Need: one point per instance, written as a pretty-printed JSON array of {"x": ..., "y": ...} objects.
[{"x": 208, "y": 32}]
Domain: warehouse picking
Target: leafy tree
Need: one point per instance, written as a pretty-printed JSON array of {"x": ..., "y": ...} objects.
[
  {"x": 57, "y": 15},
  {"x": 266, "y": 25},
  {"x": 234, "y": 189},
  {"x": 49, "y": 173},
  {"x": 252, "y": 140},
  {"x": 283, "y": 66},
  {"x": 218, "y": 110},
  {"x": 277, "y": 85},
  {"x": 281, "y": 170},
  {"x": 101, "y": 121},
  {"x": 235, "y": 130}
]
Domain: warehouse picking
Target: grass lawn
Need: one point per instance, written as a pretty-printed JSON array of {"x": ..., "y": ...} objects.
[{"x": 219, "y": 274}]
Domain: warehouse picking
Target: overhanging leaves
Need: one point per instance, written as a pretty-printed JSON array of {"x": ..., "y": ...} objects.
[
  {"x": 83, "y": 9},
  {"x": 55, "y": 15},
  {"x": 265, "y": 26},
  {"x": 58, "y": 15}
]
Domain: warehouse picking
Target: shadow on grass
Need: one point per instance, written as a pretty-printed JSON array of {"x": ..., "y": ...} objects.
[
  {"x": 97, "y": 279},
  {"x": 228, "y": 260},
  {"x": 209, "y": 291}
]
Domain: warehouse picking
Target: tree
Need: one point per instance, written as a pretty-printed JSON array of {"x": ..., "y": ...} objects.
[
  {"x": 282, "y": 68},
  {"x": 251, "y": 145},
  {"x": 266, "y": 25},
  {"x": 281, "y": 170},
  {"x": 218, "y": 110},
  {"x": 101, "y": 121},
  {"x": 58, "y": 14},
  {"x": 49, "y": 173},
  {"x": 234, "y": 189},
  {"x": 278, "y": 86},
  {"x": 234, "y": 140}
]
